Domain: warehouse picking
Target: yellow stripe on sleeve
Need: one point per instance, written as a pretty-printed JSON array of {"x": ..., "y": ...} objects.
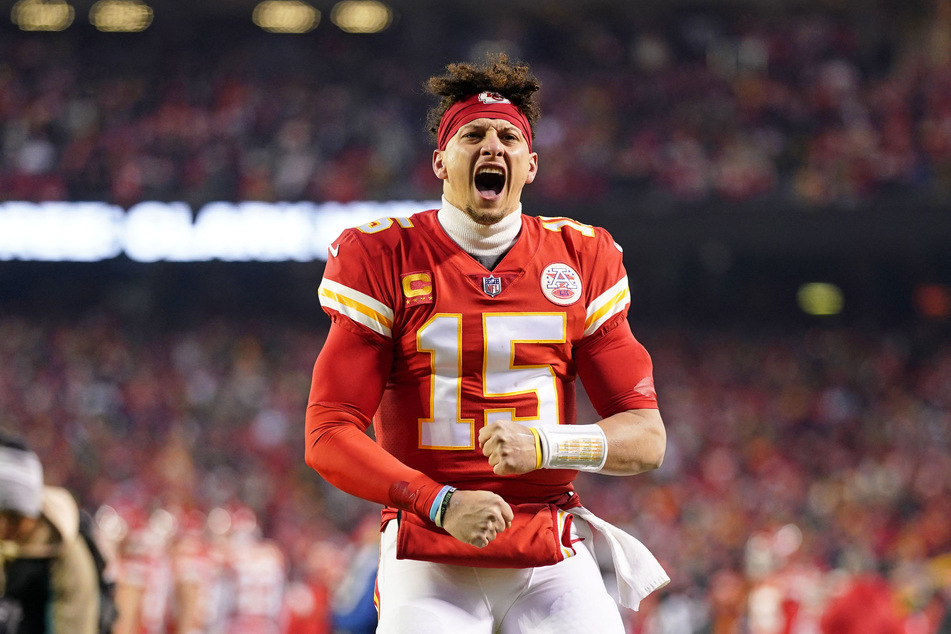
[
  {"x": 357, "y": 306},
  {"x": 606, "y": 305}
]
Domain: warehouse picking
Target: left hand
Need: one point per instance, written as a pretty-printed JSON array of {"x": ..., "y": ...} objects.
[
  {"x": 509, "y": 446},
  {"x": 477, "y": 517}
]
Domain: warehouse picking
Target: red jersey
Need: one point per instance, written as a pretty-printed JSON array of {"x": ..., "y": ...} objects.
[{"x": 470, "y": 346}]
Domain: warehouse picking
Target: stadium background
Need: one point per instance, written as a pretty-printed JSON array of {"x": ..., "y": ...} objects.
[{"x": 736, "y": 150}]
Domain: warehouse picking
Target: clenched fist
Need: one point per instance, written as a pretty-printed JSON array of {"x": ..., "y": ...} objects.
[
  {"x": 509, "y": 446},
  {"x": 477, "y": 517}
]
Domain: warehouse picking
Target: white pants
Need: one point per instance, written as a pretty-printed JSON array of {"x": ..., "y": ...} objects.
[{"x": 419, "y": 597}]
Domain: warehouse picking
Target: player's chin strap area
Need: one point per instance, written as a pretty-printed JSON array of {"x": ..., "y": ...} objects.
[{"x": 581, "y": 447}]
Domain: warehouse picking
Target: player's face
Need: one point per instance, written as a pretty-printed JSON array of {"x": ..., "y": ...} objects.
[{"x": 484, "y": 168}]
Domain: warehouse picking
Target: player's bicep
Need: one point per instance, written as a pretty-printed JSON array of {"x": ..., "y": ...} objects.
[
  {"x": 616, "y": 371},
  {"x": 351, "y": 370}
]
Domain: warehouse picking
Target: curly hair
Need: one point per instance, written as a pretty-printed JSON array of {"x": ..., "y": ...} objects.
[{"x": 513, "y": 80}]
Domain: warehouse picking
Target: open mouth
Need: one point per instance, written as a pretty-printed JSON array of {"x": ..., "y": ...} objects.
[{"x": 490, "y": 181}]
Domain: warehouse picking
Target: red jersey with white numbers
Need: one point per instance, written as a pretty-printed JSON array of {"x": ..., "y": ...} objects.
[{"x": 470, "y": 346}]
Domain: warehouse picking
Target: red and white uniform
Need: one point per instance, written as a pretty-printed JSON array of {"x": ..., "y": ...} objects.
[
  {"x": 460, "y": 346},
  {"x": 432, "y": 346}
]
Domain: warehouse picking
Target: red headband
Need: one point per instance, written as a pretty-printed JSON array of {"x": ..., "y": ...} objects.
[{"x": 490, "y": 105}]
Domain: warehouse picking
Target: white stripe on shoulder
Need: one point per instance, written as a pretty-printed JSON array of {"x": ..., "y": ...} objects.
[
  {"x": 606, "y": 305},
  {"x": 358, "y": 306}
]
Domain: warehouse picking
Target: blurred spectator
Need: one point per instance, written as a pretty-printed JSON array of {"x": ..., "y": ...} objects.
[
  {"x": 49, "y": 582},
  {"x": 309, "y": 599},
  {"x": 354, "y": 601},
  {"x": 866, "y": 606},
  {"x": 145, "y": 587}
]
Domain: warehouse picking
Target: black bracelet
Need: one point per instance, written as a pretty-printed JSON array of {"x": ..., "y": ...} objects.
[{"x": 445, "y": 505}]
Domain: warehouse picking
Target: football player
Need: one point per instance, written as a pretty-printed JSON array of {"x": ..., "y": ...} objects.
[{"x": 459, "y": 332}]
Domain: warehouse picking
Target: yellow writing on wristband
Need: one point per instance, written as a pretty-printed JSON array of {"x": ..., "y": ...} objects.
[
  {"x": 538, "y": 448},
  {"x": 580, "y": 449}
]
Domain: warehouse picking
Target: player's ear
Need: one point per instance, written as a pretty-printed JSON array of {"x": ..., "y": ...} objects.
[
  {"x": 439, "y": 168},
  {"x": 532, "y": 167}
]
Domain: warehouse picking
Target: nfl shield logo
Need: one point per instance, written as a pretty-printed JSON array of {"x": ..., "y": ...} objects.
[{"x": 492, "y": 285}]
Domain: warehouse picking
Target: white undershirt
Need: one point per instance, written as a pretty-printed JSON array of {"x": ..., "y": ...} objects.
[{"x": 486, "y": 243}]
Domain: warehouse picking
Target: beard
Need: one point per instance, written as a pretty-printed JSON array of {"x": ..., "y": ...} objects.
[{"x": 486, "y": 218}]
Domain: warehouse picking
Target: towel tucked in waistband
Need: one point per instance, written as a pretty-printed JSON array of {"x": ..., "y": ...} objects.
[{"x": 638, "y": 571}]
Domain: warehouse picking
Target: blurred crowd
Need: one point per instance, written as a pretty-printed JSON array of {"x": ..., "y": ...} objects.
[
  {"x": 188, "y": 448},
  {"x": 803, "y": 107},
  {"x": 807, "y": 475},
  {"x": 807, "y": 483}
]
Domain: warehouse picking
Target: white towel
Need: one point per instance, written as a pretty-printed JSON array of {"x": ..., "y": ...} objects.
[{"x": 638, "y": 571}]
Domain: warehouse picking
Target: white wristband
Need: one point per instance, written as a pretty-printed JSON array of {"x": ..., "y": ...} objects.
[{"x": 581, "y": 447}]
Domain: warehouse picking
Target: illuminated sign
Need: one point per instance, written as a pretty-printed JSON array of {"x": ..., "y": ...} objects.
[{"x": 154, "y": 231}]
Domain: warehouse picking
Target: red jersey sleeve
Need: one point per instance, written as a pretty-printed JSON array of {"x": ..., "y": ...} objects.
[
  {"x": 356, "y": 291},
  {"x": 337, "y": 446},
  {"x": 616, "y": 371},
  {"x": 608, "y": 297},
  {"x": 348, "y": 381},
  {"x": 614, "y": 367}
]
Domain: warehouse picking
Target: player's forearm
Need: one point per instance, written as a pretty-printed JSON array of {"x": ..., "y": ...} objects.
[
  {"x": 338, "y": 415},
  {"x": 626, "y": 443},
  {"x": 339, "y": 450},
  {"x": 636, "y": 441}
]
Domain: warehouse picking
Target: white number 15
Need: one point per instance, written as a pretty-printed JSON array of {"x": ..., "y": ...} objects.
[{"x": 441, "y": 338}]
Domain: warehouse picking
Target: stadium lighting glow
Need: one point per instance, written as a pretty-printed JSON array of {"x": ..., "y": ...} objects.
[
  {"x": 933, "y": 300},
  {"x": 820, "y": 299},
  {"x": 79, "y": 232},
  {"x": 361, "y": 16},
  {"x": 120, "y": 16},
  {"x": 285, "y": 16},
  {"x": 219, "y": 521},
  {"x": 156, "y": 231},
  {"x": 42, "y": 15}
]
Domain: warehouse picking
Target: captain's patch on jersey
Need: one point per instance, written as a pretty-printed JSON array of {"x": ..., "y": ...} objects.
[
  {"x": 561, "y": 284},
  {"x": 418, "y": 288}
]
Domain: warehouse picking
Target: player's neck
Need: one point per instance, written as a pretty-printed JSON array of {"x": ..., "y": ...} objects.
[{"x": 486, "y": 243}]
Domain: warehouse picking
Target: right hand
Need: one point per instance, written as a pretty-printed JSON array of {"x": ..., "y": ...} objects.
[
  {"x": 509, "y": 446},
  {"x": 477, "y": 517}
]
